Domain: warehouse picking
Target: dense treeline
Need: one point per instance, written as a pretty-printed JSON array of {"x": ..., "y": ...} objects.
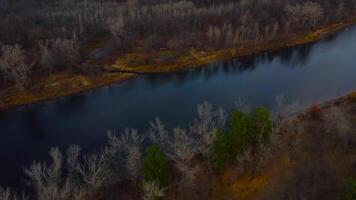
[
  {"x": 41, "y": 36},
  {"x": 160, "y": 161}
]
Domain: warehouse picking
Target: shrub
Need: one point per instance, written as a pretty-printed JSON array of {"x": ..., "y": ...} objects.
[
  {"x": 352, "y": 97},
  {"x": 155, "y": 166}
]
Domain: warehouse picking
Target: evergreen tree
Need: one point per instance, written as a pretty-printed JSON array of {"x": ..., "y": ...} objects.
[
  {"x": 219, "y": 152},
  {"x": 155, "y": 166},
  {"x": 238, "y": 133},
  {"x": 261, "y": 125}
]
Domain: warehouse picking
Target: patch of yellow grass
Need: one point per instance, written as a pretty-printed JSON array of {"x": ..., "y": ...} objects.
[
  {"x": 352, "y": 97},
  {"x": 57, "y": 85},
  {"x": 246, "y": 187}
]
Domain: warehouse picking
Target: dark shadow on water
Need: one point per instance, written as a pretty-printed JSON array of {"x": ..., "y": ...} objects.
[
  {"x": 71, "y": 104},
  {"x": 35, "y": 125}
]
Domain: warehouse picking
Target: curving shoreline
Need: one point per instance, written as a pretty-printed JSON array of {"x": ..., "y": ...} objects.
[{"x": 66, "y": 84}]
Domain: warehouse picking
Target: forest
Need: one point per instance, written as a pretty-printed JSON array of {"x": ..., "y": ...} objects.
[
  {"x": 43, "y": 37},
  {"x": 56, "y": 48},
  {"x": 315, "y": 150}
]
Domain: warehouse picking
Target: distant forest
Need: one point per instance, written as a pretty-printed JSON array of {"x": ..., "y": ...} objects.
[{"x": 38, "y": 37}]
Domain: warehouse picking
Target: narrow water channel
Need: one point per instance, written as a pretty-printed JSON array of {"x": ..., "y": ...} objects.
[{"x": 307, "y": 74}]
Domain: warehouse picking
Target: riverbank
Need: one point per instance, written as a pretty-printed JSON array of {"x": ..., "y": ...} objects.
[
  {"x": 313, "y": 155},
  {"x": 294, "y": 162},
  {"x": 196, "y": 58},
  {"x": 57, "y": 85},
  {"x": 120, "y": 69},
  {"x": 315, "y": 160}
]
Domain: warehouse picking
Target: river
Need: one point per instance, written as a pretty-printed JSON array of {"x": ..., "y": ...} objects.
[{"x": 307, "y": 74}]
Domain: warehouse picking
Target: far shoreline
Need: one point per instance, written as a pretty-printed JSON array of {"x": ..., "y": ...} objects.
[{"x": 65, "y": 84}]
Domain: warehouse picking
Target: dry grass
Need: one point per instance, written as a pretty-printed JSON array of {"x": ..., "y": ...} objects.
[
  {"x": 57, "y": 85},
  {"x": 352, "y": 97}
]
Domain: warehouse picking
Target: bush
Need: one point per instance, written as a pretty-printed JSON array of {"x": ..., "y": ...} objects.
[{"x": 155, "y": 166}]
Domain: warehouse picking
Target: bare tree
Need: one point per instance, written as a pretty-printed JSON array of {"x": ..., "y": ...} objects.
[
  {"x": 294, "y": 131},
  {"x": 183, "y": 145},
  {"x": 13, "y": 65},
  {"x": 152, "y": 190},
  {"x": 335, "y": 121},
  {"x": 179, "y": 147},
  {"x": 94, "y": 171},
  {"x": 7, "y": 194},
  {"x": 206, "y": 126},
  {"x": 313, "y": 13},
  {"x": 133, "y": 143},
  {"x": 242, "y": 106},
  {"x": 282, "y": 114},
  {"x": 46, "y": 56},
  {"x": 308, "y": 13},
  {"x": 47, "y": 180},
  {"x": 115, "y": 152},
  {"x": 183, "y": 152},
  {"x": 66, "y": 51},
  {"x": 116, "y": 26},
  {"x": 51, "y": 183}
]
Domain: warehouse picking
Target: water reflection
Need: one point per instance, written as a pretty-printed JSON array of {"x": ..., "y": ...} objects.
[
  {"x": 297, "y": 56},
  {"x": 71, "y": 104},
  {"x": 34, "y": 125}
]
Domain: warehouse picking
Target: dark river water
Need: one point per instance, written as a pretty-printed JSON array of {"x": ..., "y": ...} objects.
[{"x": 307, "y": 74}]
